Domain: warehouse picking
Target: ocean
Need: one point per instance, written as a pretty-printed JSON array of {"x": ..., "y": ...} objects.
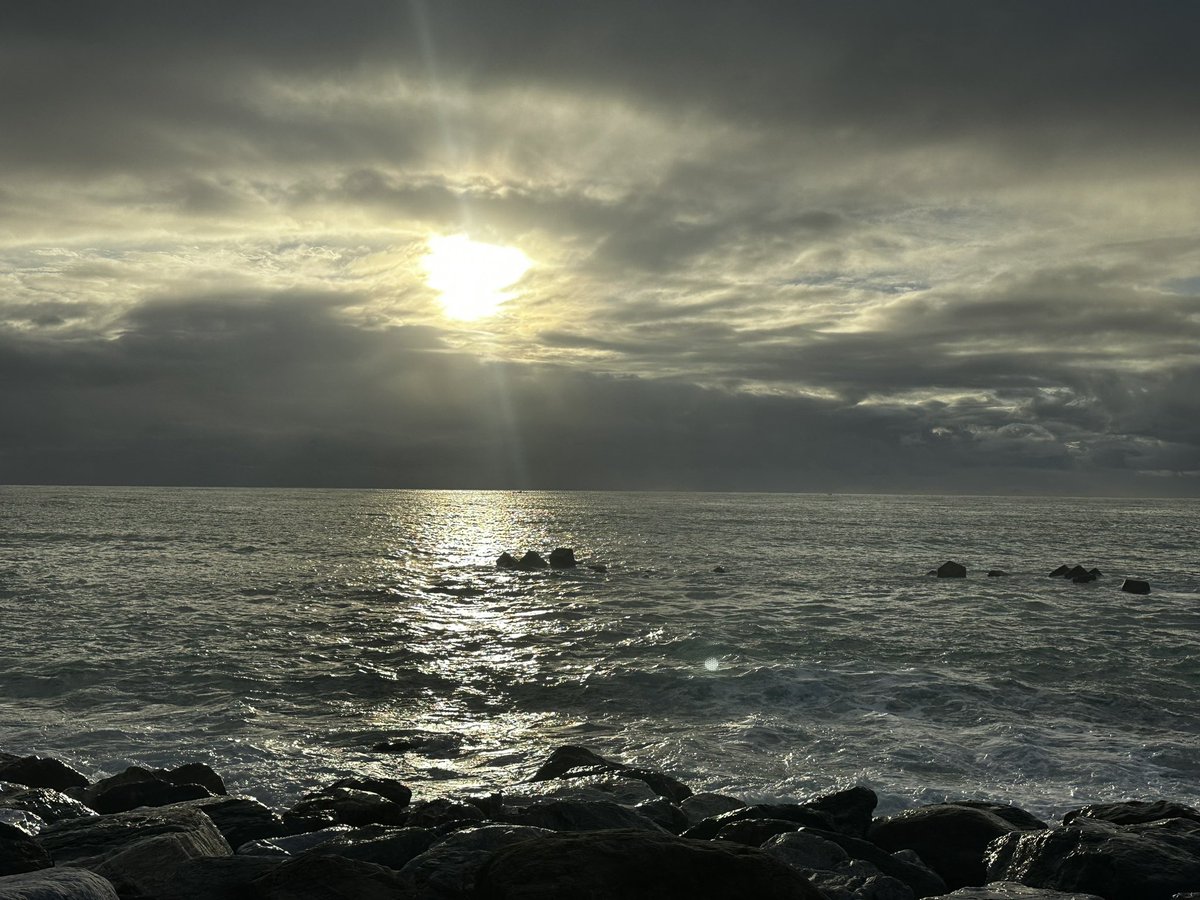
[{"x": 288, "y": 637}]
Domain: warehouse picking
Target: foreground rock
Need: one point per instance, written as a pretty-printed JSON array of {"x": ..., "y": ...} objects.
[
  {"x": 951, "y": 569},
  {"x": 1145, "y": 861},
  {"x": 41, "y": 772},
  {"x": 19, "y": 852},
  {"x": 57, "y": 884},
  {"x": 950, "y": 838},
  {"x": 636, "y": 865},
  {"x": 92, "y": 841}
]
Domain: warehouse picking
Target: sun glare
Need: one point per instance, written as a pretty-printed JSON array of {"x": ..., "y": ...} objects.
[{"x": 470, "y": 276}]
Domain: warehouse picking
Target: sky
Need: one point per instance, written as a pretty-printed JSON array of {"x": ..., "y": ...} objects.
[{"x": 936, "y": 247}]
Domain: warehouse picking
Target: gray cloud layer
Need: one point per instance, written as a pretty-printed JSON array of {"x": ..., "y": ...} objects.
[{"x": 812, "y": 246}]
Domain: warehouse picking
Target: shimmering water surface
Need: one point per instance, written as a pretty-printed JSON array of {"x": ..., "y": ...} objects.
[{"x": 282, "y": 635}]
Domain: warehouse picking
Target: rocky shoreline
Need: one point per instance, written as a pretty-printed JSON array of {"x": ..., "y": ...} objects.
[{"x": 581, "y": 826}]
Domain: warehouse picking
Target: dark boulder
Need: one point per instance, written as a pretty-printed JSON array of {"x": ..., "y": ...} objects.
[
  {"x": 215, "y": 878},
  {"x": 719, "y": 570},
  {"x": 636, "y": 865},
  {"x": 562, "y": 558},
  {"x": 1077, "y": 572},
  {"x": 506, "y": 561},
  {"x": 997, "y": 573},
  {"x": 441, "y": 812},
  {"x": 194, "y": 773},
  {"x": 19, "y": 852},
  {"x": 598, "y": 567},
  {"x": 1022, "y": 820},
  {"x": 571, "y": 761},
  {"x": 705, "y": 805},
  {"x": 921, "y": 880},
  {"x": 293, "y": 844},
  {"x": 1134, "y": 812},
  {"x": 240, "y": 819},
  {"x": 951, "y": 569},
  {"x": 576, "y": 815},
  {"x": 1060, "y": 572},
  {"x": 343, "y": 806},
  {"x": 532, "y": 560},
  {"x": 124, "y": 797},
  {"x": 1149, "y": 861},
  {"x": 1095, "y": 573},
  {"x": 796, "y": 813},
  {"x": 950, "y": 838},
  {"x": 391, "y": 788},
  {"x": 145, "y": 868},
  {"x": 57, "y": 884},
  {"x": 448, "y": 869},
  {"x": 47, "y": 804},
  {"x": 391, "y": 847},
  {"x": 1135, "y": 586},
  {"x": 663, "y": 813},
  {"x": 849, "y": 811},
  {"x": 316, "y": 877},
  {"x": 86, "y": 841},
  {"x": 754, "y": 832},
  {"x": 41, "y": 772}
]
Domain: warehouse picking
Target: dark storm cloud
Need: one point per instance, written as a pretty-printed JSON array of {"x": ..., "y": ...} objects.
[{"x": 876, "y": 245}]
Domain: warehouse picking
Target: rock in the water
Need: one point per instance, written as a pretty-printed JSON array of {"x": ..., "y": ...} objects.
[
  {"x": 1077, "y": 571},
  {"x": 997, "y": 573},
  {"x": 1011, "y": 890},
  {"x": 45, "y": 803},
  {"x": 440, "y": 812},
  {"x": 637, "y": 866},
  {"x": 1150, "y": 861},
  {"x": 562, "y": 558},
  {"x": 316, "y": 877},
  {"x": 602, "y": 786},
  {"x": 1060, "y": 572},
  {"x": 194, "y": 773},
  {"x": 1095, "y": 573},
  {"x": 719, "y": 570},
  {"x": 754, "y": 832},
  {"x": 1024, "y": 821},
  {"x": 1134, "y": 812},
  {"x": 951, "y": 569},
  {"x": 663, "y": 813},
  {"x": 571, "y": 761},
  {"x": 598, "y": 567},
  {"x": 344, "y": 806},
  {"x": 41, "y": 772},
  {"x": 849, "y": 811},
  {"x": 391, "y": 788},
  {"x": 506, "y": 561},
  {"x": 131, "y": 795},
  {"x": 448, "y": 868},
  {"x": 532, "y": 560},
  {"x": 950, "y": 838},
  {"x": 20, "y": 852},
  {"x": 705, "y": 805},
  {"x": 798, "y": 813},
  {"x": 1135, "y": 586},
  {"x": 64, "y": 883}
]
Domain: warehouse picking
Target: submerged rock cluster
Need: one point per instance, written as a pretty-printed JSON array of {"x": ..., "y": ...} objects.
[{"x": 581, "y": 827}]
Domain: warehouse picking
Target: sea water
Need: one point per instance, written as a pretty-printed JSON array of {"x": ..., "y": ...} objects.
[{"x": 286, "y": 636}]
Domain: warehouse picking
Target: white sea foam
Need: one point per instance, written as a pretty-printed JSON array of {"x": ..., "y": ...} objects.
[{"x": 282, "y": 635}]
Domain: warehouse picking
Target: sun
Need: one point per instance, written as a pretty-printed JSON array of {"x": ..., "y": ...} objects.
[{"x": 471, "y": 276}]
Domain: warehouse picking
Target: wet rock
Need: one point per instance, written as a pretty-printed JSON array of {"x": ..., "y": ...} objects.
[
  {"x": 663, "y": 813},
  {"x": 1011, "y": 890},
  {"x": 506, "y": 561},
  {"x": 344, "y": 806},
  {"x": 573, "y": 815},
  {"x": 1076, "y": 573},
  {"x": 1135, "y": 586},
  {"x": 754, "y": 832},
  {"x": 1060, "y": 572},
  {"x": 315, "y": 877},
  {"x": 562, "y": 558},
  {"x": 57, "y": 884},
  {"x": 1095, "y": 573},
  {"x": 997, "y": 573},
  {"x": 146, "y": 868},
  {"x": 449, "y": 868},
  {"x": 1024, "y": 821},
  {"x": 705, "y": 805},
  {"x": 805, "y": 850},
  {"x": 833, "y": 871},
  {"x": 849, "y": 811},
  {"x": 41, "y": 772},
  {"x": 45, "y": 803},
  {"x": 569, "y": 761},
  {"x": 22, "y": 821},
  {"x": 86, "y": 842},
  {"x": 1147, "y": 861},
  {"x": 719, "y": 570},
  {"x": 440, "y": 812},
  {"x": 117, "y": 794},
  {"x": 391, "y": 788},
  {"x": 240, "y": 819},
  {"x": 194, "y": 773},
  {"x": 532, "y": 560},
  {"x": 789, "y": 812},
  {"x": 1134, "y": 812},
  {"x": 391, "y": 847},
  {"x": 602, "y": 786},
  {"x": 904, "y": 865},
  {"x": 292, "y": 844},
  {"x": 950, "y": 838},
  {"x": 20, "y": 852},
  {"x": 636, "y": 865},
  {"x": 951, "y": 569}
]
